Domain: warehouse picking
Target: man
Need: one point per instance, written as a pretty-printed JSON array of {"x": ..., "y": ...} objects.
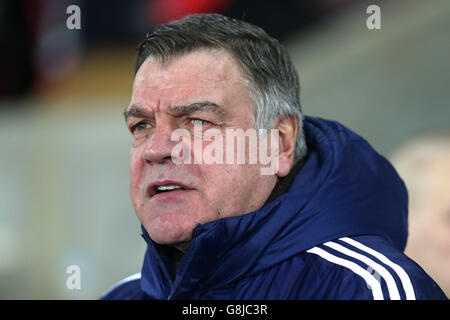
[
  {"x": 424, "y": 164},
  {"x": 328, "y": 223}
]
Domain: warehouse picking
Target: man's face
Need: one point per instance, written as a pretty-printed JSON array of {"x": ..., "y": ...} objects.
[
  {"x": 212, "y": 80},
  {"x": 429, "y": 219}
]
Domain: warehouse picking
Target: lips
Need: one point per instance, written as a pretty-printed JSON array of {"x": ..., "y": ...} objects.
[{"x": 165, "y": 186}]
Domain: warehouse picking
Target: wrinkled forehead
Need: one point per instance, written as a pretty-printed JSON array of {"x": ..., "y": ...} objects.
[
  {"x": 205, "y": 67},
  {"x": 204, "y": 75}
]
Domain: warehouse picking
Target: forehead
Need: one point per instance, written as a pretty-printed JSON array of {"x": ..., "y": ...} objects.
[{"x": 198, "y": 73}]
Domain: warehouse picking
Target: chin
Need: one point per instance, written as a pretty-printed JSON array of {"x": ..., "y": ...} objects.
[{"x": 168, "y": 230}]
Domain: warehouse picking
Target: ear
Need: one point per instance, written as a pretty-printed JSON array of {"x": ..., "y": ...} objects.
[{"x": 288, "y": 128}]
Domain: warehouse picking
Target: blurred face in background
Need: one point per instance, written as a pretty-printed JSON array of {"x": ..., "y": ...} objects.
[
  {"x": 429, "y": 218},
  {"x": 171, "y": 199}
]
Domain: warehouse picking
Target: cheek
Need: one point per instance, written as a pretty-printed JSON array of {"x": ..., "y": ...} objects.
[
  {"x": 136, "y": 171},
  {"x": 230, "y": 186}
]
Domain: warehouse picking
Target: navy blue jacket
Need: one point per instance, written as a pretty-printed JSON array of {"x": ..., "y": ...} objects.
[{"x": 337, "y": 233}]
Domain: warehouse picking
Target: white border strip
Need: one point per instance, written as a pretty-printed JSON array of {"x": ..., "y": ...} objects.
[
  {"x": 125, "y": 280},
  {"x": 129, "y": 278}
]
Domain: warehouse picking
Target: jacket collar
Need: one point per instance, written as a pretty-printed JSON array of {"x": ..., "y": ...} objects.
[{"x": 203, "y": 252}]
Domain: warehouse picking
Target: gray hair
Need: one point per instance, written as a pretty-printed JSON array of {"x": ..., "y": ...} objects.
[{"x": 271, "y": 76}]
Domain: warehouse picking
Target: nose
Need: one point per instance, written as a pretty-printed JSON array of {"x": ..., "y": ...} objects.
[{"x": 159, "y": 146}]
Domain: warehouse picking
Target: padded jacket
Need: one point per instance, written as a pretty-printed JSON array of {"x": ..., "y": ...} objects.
[{"x": 337, "y": 232}]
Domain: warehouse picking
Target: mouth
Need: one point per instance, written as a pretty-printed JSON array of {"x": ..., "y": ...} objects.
[{"x": 166, "y": 187}]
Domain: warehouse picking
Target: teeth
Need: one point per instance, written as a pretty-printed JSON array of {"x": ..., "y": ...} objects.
[{"x": 168, "y": 187}]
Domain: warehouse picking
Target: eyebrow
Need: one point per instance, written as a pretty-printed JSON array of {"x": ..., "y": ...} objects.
[
  {"x": 136, "y": 112},
  {"x": 201, "y": 106}
]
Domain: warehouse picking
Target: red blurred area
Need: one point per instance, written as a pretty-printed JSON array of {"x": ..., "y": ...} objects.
[{"x": 163, "y": 11}]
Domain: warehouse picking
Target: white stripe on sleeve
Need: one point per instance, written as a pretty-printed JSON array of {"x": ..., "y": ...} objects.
[
  {"x": 369, "y": 278},
  {"x": 404, "y": 278},
  {"x": 392, "y": 286}
]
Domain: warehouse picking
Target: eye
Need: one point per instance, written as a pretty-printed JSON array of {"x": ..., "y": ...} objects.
[
  {"x": 139, "y": 126},
  {"x": 196, "y": 121}
]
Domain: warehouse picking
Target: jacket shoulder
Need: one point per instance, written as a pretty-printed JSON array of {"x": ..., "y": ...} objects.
[
  {"x": 368, "y": 267},
  {"x": 126, "y": 289}
]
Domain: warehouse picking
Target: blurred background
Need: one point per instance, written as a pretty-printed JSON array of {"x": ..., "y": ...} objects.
[{"x": 64, "y": 156}]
